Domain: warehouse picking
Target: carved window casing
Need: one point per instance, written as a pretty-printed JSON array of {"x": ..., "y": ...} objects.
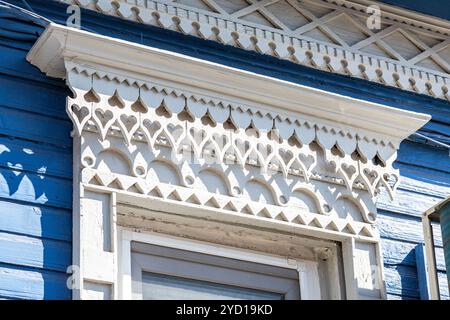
[{"x": 167, "y": 144}]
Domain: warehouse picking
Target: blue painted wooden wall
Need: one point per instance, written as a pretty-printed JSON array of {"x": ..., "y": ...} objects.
[
  {"x": 35, "y": 187},
  {"x": 436, "y": 8},
  {"x": 35, "y": 171},
  {"x": 425, "y": 174}
]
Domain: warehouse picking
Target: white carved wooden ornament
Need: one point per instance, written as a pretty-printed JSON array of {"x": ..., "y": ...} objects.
[
  {"x": 185, "y": 140},
  {"x": 253, "y": 161},
  {"x": 409, "y": 51}
]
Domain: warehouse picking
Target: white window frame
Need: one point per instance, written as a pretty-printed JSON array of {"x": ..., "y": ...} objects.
[{"x": 307, "y": 270}]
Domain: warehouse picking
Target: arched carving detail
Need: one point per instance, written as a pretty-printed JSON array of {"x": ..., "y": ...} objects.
[
  {"x": 113, "y": 160},
  {"x": 259, "y": 191},
  {"x": 214, "y": 181},
  {"x": 311, "y": 201},
  {"x": 165, "y": 172}
]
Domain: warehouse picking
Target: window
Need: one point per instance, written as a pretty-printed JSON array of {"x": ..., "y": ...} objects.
[{"x": 166, "y": 273}]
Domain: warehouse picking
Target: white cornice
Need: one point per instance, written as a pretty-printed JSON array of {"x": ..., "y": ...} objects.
[
  {"x": 59, "y": 44},
  {"x": 410, "y": 52}
]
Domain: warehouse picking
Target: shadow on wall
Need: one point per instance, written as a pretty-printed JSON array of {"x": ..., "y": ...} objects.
[
  {"x": 35, "y": 220},
  {"x": 35, "y": 168},
  {"x": 408, "y": 274},
  {"x": 425, "y": 163},
  {"x": 427, "y": 168}
]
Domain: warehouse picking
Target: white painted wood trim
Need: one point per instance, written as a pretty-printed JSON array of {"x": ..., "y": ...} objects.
[
  {"x": 76, "y": 222},
  {"x": 430, "y": 258},
  {"x": 114, "y": 242},
  {"x": 124, "y": 260},
  {"x": 59, "y": 43},
  {"x": 308, "y": 271},
  {"x": 348, "y": 257},
  {"x": 380, "y": 270},
  {"x": 207, "y": 248},
  {"x": 309, "y": 280}
]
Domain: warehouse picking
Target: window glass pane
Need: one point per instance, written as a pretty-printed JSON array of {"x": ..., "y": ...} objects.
[{"x": 163, "y": 287}]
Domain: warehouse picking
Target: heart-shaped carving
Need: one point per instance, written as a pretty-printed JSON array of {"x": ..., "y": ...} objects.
[
  {"x": 286, "y": 155},
  {"x": 349, "y": 174},
  {"x": 307, "y": 160},
  {"x": 116, "y": 100},
  {"x": 151, "y": 126},
  {"x": 128, "y": 125},
  {"x": 104, "y": 120},
  {"x": 176, "y": 131},
  {"x": 391, "y": 182},
  {"x": 79, "y": 116}
]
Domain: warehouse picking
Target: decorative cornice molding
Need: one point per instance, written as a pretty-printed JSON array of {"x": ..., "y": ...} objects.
[
  {"x": 145, "y": 65},
  {"x": 420, "y": 64}
]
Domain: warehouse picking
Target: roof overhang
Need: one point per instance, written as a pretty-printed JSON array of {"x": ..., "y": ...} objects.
[{"x": 416, "y": 63}]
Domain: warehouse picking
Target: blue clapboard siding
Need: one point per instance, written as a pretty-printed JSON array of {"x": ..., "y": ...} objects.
[
  {"x": 18, "y": 282},
  {"x": 426, "y": 180},
  {"x": 35, "y": 171},
  {"x": 35, "y": 221},
  {"x": 426, "y": 169},
  {"x": 34, "y": 252}
]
